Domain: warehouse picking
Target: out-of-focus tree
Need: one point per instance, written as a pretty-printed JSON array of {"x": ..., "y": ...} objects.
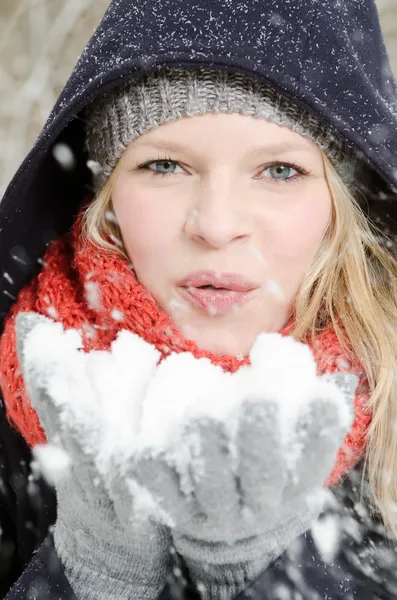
[
  {"x": 40, "y": 41},
  {"x": 388, "y": 14}
]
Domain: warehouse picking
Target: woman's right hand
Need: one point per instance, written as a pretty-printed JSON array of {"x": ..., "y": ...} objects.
[{"x": 108, "y": 552}]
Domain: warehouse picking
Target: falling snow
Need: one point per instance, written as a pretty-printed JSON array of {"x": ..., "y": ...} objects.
[{"x": 64, "y": 156}]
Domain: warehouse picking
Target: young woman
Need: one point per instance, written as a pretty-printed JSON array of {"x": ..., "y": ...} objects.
[{"x": 210, "y": 174}]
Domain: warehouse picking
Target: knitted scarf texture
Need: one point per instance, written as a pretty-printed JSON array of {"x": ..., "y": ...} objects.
[{"x": 97, "y": 292}]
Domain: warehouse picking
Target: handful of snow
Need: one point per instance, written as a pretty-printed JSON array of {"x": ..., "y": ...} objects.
[
  {"x": 282, "y": 372},
  {"x": 123, "y": 401}
]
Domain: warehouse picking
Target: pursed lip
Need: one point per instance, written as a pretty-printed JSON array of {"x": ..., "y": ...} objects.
[
  {"x": 216, "y": 293},
  {"x": 228, "y": 281}
]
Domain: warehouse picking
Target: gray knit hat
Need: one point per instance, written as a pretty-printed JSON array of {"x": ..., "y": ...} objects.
[{"x": 121, "y": 115}]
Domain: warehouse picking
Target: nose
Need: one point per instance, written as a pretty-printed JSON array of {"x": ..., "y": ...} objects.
[{"x": 218, "y": 215}]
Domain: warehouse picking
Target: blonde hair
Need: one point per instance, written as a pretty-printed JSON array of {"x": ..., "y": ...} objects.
[{"x": 352, "y": 280}]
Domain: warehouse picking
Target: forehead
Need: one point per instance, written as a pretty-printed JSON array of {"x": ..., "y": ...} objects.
[{"x": 249, "y": 135}]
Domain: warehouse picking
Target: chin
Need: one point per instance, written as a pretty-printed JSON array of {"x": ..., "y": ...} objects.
[
  {"x": 224, "y": 344},
  {"x": 219, "y": 340}
]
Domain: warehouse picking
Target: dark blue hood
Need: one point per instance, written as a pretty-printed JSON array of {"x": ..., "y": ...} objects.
[{"x": 327, "y": 55}]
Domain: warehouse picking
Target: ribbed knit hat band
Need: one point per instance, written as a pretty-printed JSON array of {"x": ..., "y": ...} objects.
[{"x": 120, "y": 116}]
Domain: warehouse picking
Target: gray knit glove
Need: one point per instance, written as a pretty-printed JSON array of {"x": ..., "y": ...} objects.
[
  {"x": 239, "y": 469},
  {"x": 105, "y": 555}
]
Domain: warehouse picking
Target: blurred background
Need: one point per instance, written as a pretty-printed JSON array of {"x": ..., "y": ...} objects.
[{"x": 40, "y": 41}]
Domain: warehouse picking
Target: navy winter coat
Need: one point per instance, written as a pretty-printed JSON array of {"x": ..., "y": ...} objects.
[{"x": 326, "y": 55}]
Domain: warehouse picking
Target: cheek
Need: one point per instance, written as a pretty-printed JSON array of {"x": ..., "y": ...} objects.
[
  {"x": 296, "y": 234},
  {"x": 309, "y": 223},
  {"x": 146, "y": 225}
]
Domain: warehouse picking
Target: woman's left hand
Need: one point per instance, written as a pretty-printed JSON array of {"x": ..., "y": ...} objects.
[{"x": 238, "y": 461}]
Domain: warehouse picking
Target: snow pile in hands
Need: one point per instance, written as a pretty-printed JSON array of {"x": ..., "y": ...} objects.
[{"x": 123, "y": 401}]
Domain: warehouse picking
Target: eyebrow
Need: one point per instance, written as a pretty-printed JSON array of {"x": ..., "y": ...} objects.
[{"x": 275, "y": 148}]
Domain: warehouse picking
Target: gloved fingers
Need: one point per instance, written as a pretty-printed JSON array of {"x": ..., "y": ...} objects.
[
  {"x": 49, "y": 415},
  {"x": 319, "y": 435},
  {"x": 54, "y": 373},
  {"x": 262, "y": 466},
  {"x": 132, "y": 502},
  {"x": 25, "y": 323},
  {"x": 214, "y": 470},
  {"x": 347, "y": 384},
  {"x": 164, "y": 482},
  {"x": 83, "y": 468},
  {"x": 28, "y": 328}
]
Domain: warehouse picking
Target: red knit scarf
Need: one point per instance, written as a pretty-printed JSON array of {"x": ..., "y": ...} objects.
[{"x": 97, "y": 292}]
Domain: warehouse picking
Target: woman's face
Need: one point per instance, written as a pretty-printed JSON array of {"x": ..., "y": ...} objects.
[{"x": 221, "y": 215}]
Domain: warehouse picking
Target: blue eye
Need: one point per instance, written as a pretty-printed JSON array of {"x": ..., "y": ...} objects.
[
  {"x": 281, "y": 172},
  {"x": 166, "y": 167}
]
